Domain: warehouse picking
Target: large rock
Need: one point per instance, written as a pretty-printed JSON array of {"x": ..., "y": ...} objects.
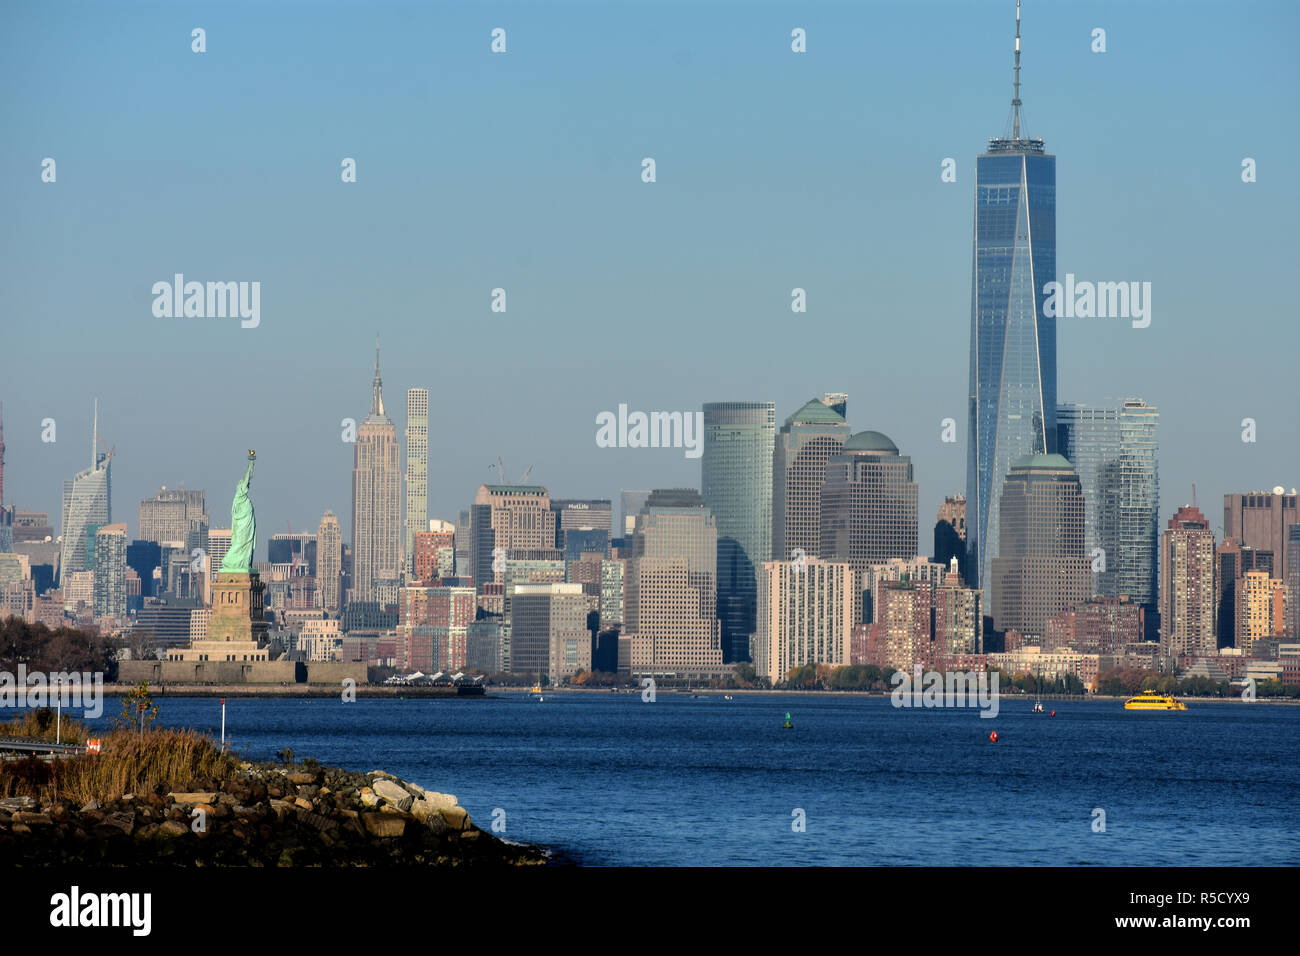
[
  {"x": 193, "y": 797},
  {"x": 441, "y": 801},
  {"x": 429, "y": 815},
  {"x": 368, "y": 797},
  {"x": 457, "y": 818},
  {"x": 32, "y": 819},
  {"x": 384, "y": 824},
  {"x": 172, "y": 828},
  {"x": 394, "y": 793}
]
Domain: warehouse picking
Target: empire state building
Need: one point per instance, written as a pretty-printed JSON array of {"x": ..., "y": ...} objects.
[{"x": 376, "y": 499}]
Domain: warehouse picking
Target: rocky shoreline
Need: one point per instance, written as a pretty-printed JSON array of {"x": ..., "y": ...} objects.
[{"x": 266, "y": 815}]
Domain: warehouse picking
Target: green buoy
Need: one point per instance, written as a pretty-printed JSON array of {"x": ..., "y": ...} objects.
[{"x": 787, "y": 725}]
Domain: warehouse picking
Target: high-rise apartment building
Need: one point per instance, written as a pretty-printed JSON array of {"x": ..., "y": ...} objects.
[
  {"x": 1042, "y": 568},
  {"x": 805, "y": 616},
  {"x": 868, "y": 503},
  {"x": 433, "y": 627},
  {"x": 958, "y": 616},
  {"x": 1260, "y": 610},
  {"x": 376, "y": 499},
  {"x": 417, "y": 469},
  {"x": 805, "y": 444},
  {"x": 1187, "y": 590},
  {"x": 1115, "y": 452},
  {"x": 901, "y": 635},
  {"x": 87, "y": 501},
  {"x": 736, "y": 485},
  {"x": 110, "y": 571},
  {"x": 428, "y": 546},
  {"x": 1012, "y": 396}
]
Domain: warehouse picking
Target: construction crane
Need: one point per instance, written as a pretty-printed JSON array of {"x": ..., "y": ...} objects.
[{"x": 501, "y": 470}]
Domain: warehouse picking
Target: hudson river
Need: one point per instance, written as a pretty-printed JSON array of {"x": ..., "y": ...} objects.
[{"x": 608, "y": 779}]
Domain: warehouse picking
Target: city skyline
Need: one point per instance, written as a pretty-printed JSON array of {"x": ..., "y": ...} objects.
[{"x": 1124, "y": 215}]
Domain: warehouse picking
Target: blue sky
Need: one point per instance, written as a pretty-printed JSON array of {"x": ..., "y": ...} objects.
[{"x": 522, "y": 171}]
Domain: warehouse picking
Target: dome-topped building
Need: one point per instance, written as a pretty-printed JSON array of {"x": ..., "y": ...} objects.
[{"x": 869, "y": 503}]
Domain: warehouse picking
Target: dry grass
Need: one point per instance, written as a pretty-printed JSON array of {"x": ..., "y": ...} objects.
[
  {"x": 42, "y": 724},
  {"x": 130, "y": 762}
]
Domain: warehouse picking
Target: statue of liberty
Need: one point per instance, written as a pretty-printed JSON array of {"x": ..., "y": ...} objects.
[{"x": 243, "y": 527}]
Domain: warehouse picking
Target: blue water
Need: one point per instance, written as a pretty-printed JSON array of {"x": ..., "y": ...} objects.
[{"x": 608, "y": 779}]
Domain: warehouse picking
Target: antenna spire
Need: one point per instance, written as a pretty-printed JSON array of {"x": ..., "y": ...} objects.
[
  {"x": 1015, "y": 101},
  {"x": 377, "y": 389},
  {"x": 94, "y": 432}
]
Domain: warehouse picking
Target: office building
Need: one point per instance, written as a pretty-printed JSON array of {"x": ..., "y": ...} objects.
[
  {"x": 1042, "y": 568},
  {"x": 670, "y": 601},
  {"x": 1260, "y": 520},
  {"x": 508, "y": 518},
  {"x": 376, "y": 499},
  {"x": 1012, "y": 395},
  {"x": 548, "y": 634},
  {"x": 803, "y": 447},
  {"x": 736, "y": 485},
  {"x": 1115, "y": 453},
  {"x": 868, "y": 503},
  {"x": 87, "y": 502}
]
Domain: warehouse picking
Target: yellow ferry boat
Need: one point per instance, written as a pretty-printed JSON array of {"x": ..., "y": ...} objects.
[{"x": 1153, "y": 702}]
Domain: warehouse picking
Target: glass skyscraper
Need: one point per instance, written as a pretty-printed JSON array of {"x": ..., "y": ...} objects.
[
  {"x": 87, "y": 502},
  {"x": 1012, "y": 397},
  {"x": 1115, "y": 453},
  {"x": 736, "y": 485}
]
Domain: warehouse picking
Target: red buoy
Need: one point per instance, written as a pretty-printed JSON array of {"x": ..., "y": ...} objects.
[
  {"x": 993, "y": 737},
  {"x": 1053, "y": 713}
]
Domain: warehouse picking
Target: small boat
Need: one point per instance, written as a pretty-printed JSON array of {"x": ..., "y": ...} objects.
[
  {"x": 1151, "y": 701},
  {"x": 1038, "y": 707},
  {"x": 727, "y": 697}
]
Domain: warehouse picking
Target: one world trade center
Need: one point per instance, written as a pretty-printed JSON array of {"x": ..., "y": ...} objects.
[{"x": 1012, "y": 397}]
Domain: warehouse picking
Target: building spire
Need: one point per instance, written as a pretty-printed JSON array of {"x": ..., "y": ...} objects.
[
  {"x": 377, "y": 389},
  {"x": 94, "y": 432},
  {"x": 1015, "y": 100}
]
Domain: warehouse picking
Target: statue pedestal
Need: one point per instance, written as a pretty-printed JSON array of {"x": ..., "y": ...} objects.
[{"x": 236, "y": 631}]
